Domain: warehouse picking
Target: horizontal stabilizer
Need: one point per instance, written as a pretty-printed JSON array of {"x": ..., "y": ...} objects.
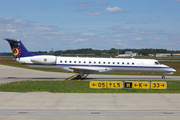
[{"x": 11, "y": 40}]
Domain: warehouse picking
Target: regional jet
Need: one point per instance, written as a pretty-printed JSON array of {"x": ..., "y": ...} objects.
[{"x": 85, "y": 65}]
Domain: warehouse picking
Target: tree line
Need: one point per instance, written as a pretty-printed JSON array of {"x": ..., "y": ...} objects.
[
  {"x": 114, "y": 51},
  {"x": 111, "y": 52}
]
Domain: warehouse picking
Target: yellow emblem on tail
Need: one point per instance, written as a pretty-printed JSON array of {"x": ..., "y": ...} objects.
[{"x": 15, "y": 51}]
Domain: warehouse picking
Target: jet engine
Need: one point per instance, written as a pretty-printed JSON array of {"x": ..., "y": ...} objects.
[{"x": 44, "y": 59}]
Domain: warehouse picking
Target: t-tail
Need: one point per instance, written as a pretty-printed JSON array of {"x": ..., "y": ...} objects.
[{"x": 18, "y": 49}]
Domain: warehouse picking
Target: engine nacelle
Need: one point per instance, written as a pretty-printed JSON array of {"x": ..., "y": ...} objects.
[{"x": 44, "y": 59}]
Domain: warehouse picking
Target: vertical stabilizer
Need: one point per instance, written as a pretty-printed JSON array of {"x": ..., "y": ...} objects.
[{"x": 18, "y": 49}]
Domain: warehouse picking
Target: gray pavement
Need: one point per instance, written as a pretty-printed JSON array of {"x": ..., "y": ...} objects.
[
  {"x": 89, "y": 106},
  {"x": 80, "y": 106},
  {"x": 89, "y": 101}
]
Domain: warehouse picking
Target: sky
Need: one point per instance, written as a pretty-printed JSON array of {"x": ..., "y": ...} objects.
[{"x": 43, "y": 25}]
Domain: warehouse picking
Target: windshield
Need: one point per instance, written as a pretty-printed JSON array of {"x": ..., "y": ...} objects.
[{"x": 157, "y": 63}]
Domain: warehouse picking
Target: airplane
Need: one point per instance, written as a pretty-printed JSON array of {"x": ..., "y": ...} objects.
[
  {"x": 85, "y": 65},
  {"x": 124, "y": 55}
]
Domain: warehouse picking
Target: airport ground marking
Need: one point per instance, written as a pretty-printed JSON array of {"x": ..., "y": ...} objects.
[
  {"x": 128, "y": 84},
  {"x": 158, "y": 85},
  {"x": 140, "y": 85},
  {"x": 115, "y": 84},
  {"x": 97, "y": 84}
]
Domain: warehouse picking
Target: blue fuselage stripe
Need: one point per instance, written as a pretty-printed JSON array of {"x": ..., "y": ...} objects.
[{"x": 115, "y": 66}]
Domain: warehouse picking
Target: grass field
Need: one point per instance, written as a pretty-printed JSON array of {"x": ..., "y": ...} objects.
[{"x": 78, "y": 87}]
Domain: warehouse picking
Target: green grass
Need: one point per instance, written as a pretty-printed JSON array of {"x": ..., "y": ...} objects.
[{"x": 78, "y": 87}]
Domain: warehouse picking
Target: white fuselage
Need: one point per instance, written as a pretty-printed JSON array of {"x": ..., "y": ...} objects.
[{"x": 95, "y": 65}]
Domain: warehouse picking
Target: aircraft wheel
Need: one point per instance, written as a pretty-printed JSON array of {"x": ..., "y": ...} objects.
[
  {"x": 78, "y": 77},
  {"x": 163, "y": 77}
]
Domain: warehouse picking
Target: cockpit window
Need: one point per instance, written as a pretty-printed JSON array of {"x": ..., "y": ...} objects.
[{"x": 157, "y": 63}]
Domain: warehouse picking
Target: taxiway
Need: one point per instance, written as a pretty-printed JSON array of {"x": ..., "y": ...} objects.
[
  {"x": 12, "y": 74},
  {"x": 54, "y": 106}
]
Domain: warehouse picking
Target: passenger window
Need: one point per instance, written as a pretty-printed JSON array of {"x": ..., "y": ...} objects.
[
  {"x": 61, "y": 61},
  {"x": 128, "y": 63},
  {"x": 108, "y": 62},
  {"x": 69, "y": 61},
  {"x": 89, "y": 61},
  {"x": 123, "y": 63},
  {"x": 117, "y": 62},
  {"x": 94, "y": 62},
  {"x": 74, "y": 61},
  {"x": 99, "y": 62},
  {"x": 79, "y": 61},
  {"x": 132, "y": 63},
  {"x": 104, "y": 62},
  {"x": 84, "y": 61},
  {"x": 65, "y": 61},
  {"x": 113, "y": 62}
]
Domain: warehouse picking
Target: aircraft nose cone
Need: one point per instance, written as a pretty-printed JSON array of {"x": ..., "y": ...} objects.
[
  {"x": 173, "y": 70},
  {"x": 169, "y": 68}
]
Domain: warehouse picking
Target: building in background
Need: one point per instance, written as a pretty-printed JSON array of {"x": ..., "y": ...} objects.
[
  {"x": 151, "y": 55},
  {"x": 163, "y": 55},
  {"x": 176, "y": 55},
  {"x": 128, "y": 54}
]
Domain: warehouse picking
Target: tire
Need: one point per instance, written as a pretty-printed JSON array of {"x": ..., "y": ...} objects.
[{"x": 78, "y": 77}]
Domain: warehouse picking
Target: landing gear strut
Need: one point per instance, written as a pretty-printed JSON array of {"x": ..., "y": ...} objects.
[
  {"x": 78, "y": 77},
  {"x": 163, "y": 77}
]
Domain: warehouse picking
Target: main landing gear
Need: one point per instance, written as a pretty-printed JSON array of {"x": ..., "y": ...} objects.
[
  {"x": 83, "y": 77},
  {"x": 78, "y": 77}
]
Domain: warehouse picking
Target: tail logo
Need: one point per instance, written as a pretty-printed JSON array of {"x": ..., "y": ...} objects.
[{"x": 15, "y": 51}]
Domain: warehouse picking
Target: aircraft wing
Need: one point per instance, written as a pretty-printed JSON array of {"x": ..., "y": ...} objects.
[{"x": 85, "y": 69}]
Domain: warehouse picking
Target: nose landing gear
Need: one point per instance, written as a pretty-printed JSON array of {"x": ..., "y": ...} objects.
[{"x": 163, "y": 77}]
